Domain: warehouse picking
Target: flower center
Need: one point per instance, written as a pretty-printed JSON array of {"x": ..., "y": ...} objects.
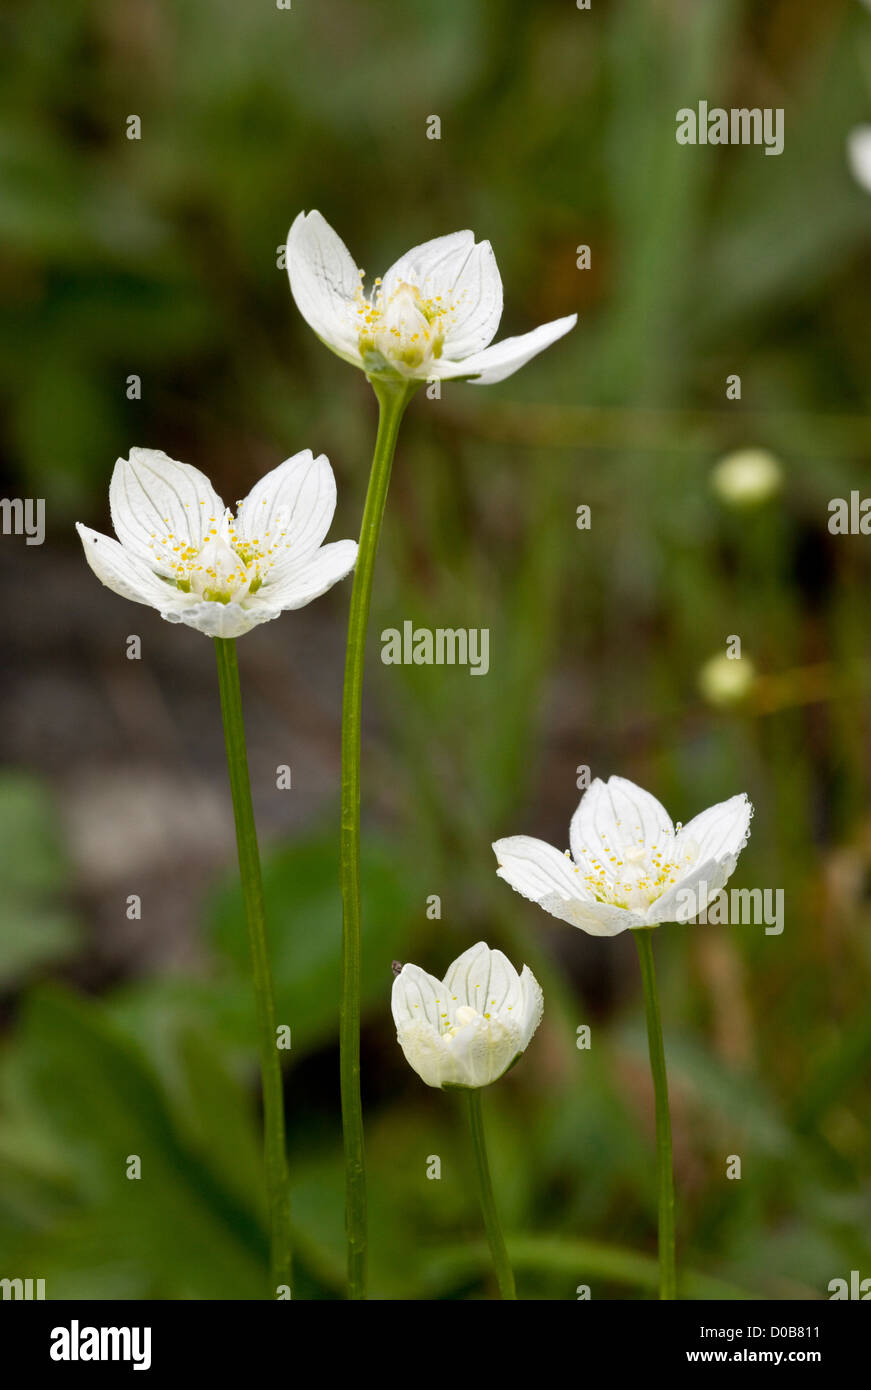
[
  {"x": 636, "y": 877},
  {"x": 465, "y": 1014},
  {"x": 404, "y": 330},
  {"x": 226, "y": 568}
]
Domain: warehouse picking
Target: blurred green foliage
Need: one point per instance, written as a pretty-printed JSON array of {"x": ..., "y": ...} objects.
[
  {"x": 36, "y": 924},
  {"x": 158, "y": 257}
]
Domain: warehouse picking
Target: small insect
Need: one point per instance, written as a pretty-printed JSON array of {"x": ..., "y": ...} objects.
[{"x": 396, "y": 967}]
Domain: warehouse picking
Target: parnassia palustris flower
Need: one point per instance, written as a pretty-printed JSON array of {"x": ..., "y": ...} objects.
[
  {"x": 466, "y": 1030},
  {"x": 181, "y": 551},
  {"x": 433, "y": 314},
  {"x": 628, "y": 866}
]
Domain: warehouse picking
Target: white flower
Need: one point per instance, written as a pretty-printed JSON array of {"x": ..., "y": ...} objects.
[
  {"x": 181, "y": 551},
  {"x": 747, "y": 478},
  {"x": 469, "y": 1028},
  {"x": 725, "y": 680},
  {"x": 859, "y": 155},
  {"x": 433, "y": 314},
  {"x": 628, "y": 866}
]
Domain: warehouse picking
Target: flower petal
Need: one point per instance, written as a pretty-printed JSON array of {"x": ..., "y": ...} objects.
[
  {"x": 484, "y": 980},
  {"x": 125, "y": 573},
  {"x": 291, "y": 507},
  {"x": 432, "y": 266},
  {"x": 533, "y": 1004},
  {"x": 688, "y": 897},
  {"x": 481, "y": 1051},
  {"x": 501, "y": 360},
  {"x": 424, "y": 1051},
  {"x": 476, "y": 297},
  {"x": 223, "y": 619},
  {"x": 859, "y": 155},
  {"x": 323, "y": 281},
  {"x": 158, "y": 503},
  {"x": 417, "y": 995},
  {"x": 466, "y": 278},
  {"x": 539, "y": 872},
  {"x": 719, "y": 833},
  {"x": 297, "y": 584},
  {"x": 615, "y": 818}
]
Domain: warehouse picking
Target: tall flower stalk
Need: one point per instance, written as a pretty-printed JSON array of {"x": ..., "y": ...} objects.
[
  {"x": 431, "y": 317},
  {"x": 393, "y": 397},
  {"x": 275, "y": 1155},
  {"x": 461, "y": 1034},
  {"x": 630, "y": 869},
  {"x": 664, "y": 1164},
  {"x": 492, "y": 1225},
  {"x": 181, "y": 551}
]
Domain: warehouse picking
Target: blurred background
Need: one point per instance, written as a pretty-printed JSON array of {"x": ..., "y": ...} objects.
[{"x": 158, "y": 258}]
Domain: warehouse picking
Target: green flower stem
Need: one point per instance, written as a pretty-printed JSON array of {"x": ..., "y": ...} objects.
[
  {"x": 277, "y": 1184},
  {"x": 393, "y": 397},
  {"x": 501, "y": 1264},
  {"x": 665, "y": 1173}
]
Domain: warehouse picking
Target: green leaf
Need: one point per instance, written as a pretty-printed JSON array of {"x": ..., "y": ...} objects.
[
  {"x": 580, "y": 1262},
  {"x": 184, "y": 1228}
]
